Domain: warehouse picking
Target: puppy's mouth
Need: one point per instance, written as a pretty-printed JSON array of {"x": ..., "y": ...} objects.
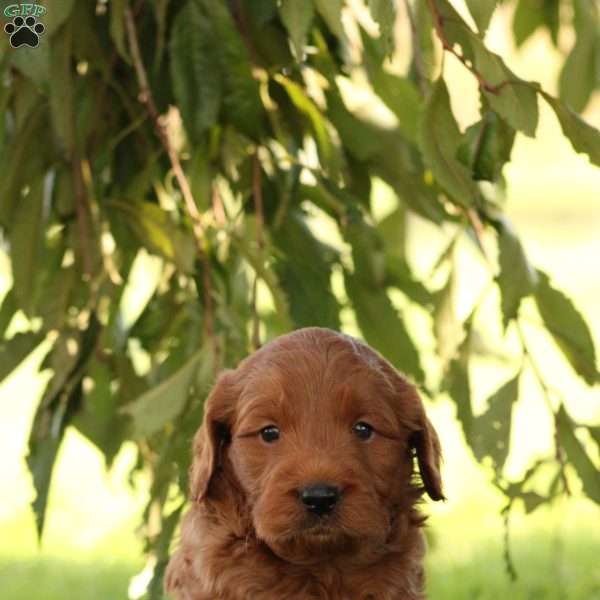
[{"x": 324, "y": 527}]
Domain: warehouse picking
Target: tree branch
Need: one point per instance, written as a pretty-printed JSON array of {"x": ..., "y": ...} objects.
[
  {"x": 478, "y": 231},
  {"x": 82, "y": 215},
  {"x": 186, "y": 191},
  {"x": 438, "y": 23},
  {"x": 260, "y": 222}
]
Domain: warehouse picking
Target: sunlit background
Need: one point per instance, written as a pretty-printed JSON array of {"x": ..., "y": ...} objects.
[{"x": 90, "y": 549}]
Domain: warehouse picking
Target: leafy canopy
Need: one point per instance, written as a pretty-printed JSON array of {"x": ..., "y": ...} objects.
[{"x": 209, "y": 135}]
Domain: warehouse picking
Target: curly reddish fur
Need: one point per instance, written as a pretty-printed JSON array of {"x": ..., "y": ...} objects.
[{"x": 247, "y": 535}]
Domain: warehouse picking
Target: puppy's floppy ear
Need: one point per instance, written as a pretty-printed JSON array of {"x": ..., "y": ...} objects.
[
  {"x": 213, "y": 435},
  {"x": 427, "y": 447},
  {"x": 423, "y": 437}
]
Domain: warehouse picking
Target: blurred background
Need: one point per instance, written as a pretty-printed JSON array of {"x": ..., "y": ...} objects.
[{"x": 90, "y": 549}]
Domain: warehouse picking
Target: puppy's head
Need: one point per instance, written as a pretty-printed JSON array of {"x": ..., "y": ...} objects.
[{"x": 318, "y": 433}]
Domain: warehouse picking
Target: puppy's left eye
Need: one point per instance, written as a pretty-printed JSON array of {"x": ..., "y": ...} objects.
[
  {"x": 363, "y": 430},
  {"x": 269, "y": 434}
]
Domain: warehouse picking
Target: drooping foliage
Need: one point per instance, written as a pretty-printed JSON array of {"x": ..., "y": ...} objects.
[{"x": 185, "y": 179}]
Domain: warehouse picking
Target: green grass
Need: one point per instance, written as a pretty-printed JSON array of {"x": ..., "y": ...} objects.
[
  {"x": 546, "y": 570},
  {"x": 554, "y": 552},
  {"x": 48, "y": 578},
  {"x": 549, "y": 568}
]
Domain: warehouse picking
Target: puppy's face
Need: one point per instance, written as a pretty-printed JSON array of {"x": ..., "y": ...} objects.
[{"x": 320, "y": 438}]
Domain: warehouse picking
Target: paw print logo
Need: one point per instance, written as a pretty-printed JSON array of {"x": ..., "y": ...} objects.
[{"x": 24, "y": 32}]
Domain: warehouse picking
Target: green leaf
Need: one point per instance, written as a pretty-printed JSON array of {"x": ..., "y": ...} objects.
[
  {"x": 99, "y": 419},
  {"x": 398, "y": 93},
  {"x": 327, "y": 151},
  {"x": 368, "y": 252},
  {"x": 61, "y": 90},
  {"x": 424, "y": 36},
  {"x": 393, "y": 232},
  {"x": 486, "y": 147},
  {"x": 242, "y": 105},
  {"x": 34, "y": 63},
  {"x": 196, "y": 73},
  {"x": 532, "y": 500},
  {"x": 164, "y": 402},
  {"x": 58, "y": 13},
  {"x": 578, "y": 77},
  {"x": 15, "y": 350},
  {"x": 56, "y": 289},
  {"x": 200, "y": 174},
  {"x": 118, "y": 31},
  {"x": 491, "y": 430},
  {"x": 43, "y": 450},
  {"x": 482, "y": 11},
  {"x": 568, "y": 328},
  {"x": 297, "y": 16},
  {"x": 400, "y": 276},
  {"x": 26, "y": 245},
  {"x": 268, "y": 275},
  {"x": 262, "y": 11},
  {"x": 577, "y": 456},
  {"x": 389, "y": 156},
  {"x": 331, "y": 11},
  {"x": 304, "y": 271},
  {"x": 457, "y": 384},
  {"x": 595, "y": 433},
  {"x": 6, "y": 95},
  {"x": 23, "y": 165},
  {"x": 7, "y": 311},
  {"x": 446, "y": 325},
  {"x": 384, "y": 14},
  {"x": 581, "y": 71},
  {"x": 512, "y": 98},
  {"x": 61, "y": 400},
  {"x": 382, "y": 327},
  {"x": 158, "y": 233},
  {"x": 45, "y": 439},
  {"x": 161, "y": 8},
  {"x": 516, "y": 278},
  {"x": 583, "y": 137},
  {"x": 529, "y": 16},
  {"x": 358, "y": 136},
  {"x": 439, "y": 140}
]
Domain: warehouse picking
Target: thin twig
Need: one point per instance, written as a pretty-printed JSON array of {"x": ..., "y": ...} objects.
[
  {"x": 534, "y": 367},
  {"x": 186, "y": 191},
  {"x": 147, "y": 98},
  {"x": 438, "y": 23},
  {"x": 260, "y": 221},
  {"x": 560, "y": 457},
  {"x": 508, "y": 561},
  {"x": 559, "y": 452},
  {"x": 479, "y": 232},
  {"x": 81, "y": 212}
]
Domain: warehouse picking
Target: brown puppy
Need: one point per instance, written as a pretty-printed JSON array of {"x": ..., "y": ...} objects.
[{"x": 302, "y": 479}]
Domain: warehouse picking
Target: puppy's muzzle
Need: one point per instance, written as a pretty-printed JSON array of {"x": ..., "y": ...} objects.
[{"x": 319, "y": 498}]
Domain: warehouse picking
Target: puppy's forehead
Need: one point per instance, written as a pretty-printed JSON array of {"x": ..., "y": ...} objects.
[{"x": 306, "y": 376}]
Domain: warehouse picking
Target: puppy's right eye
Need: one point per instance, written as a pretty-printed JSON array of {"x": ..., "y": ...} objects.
[{"x": 269, "y": 434}]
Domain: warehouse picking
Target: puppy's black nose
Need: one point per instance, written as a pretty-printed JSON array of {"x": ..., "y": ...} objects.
[{"x": 320, "y": 498}]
